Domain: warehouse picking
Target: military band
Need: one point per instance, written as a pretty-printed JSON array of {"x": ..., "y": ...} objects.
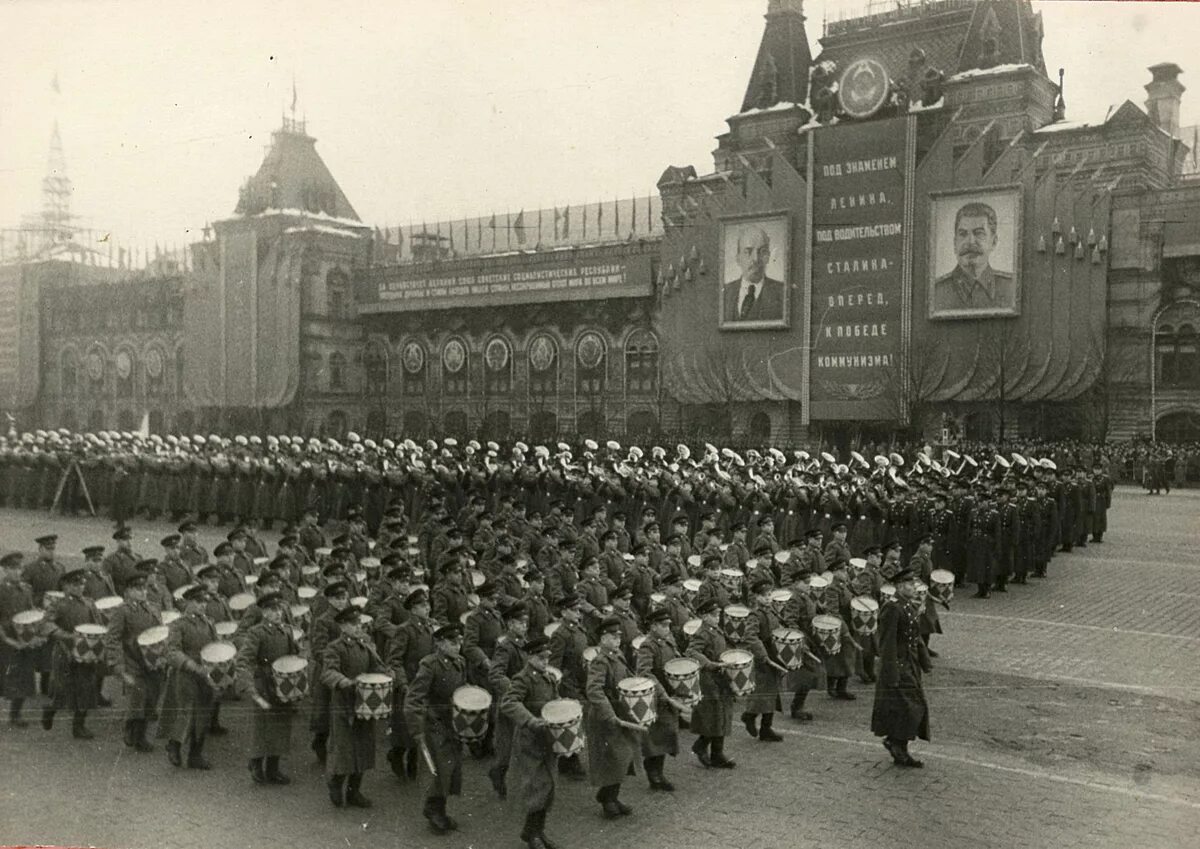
[{"x": 452, "y": 596}]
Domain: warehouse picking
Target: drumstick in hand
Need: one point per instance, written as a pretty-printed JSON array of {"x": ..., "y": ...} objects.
[{"x": 428, "y": 758}]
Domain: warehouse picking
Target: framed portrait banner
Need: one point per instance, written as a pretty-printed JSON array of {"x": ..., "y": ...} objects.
[
  {"x": 974, "y": 253},
  {"x": 755, "y": 259}
]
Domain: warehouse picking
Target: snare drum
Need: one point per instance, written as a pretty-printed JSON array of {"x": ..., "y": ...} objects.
[
  {"x": 780, "y": 598},
  {"x": 732, "y": 580},
  {"x": 589, "y": 654},
  {"x": 683, "y": 677},
  {"x": 218, "y": 659},
  {"x": 887, "y": 591},
  {"x": 691, "y": 626},
  {"x": 251, "y": 581},
  {"x": 638, "y": 695},
  {"x": 88, "y": 644},
  {"x": 373, "y": 696},
  {"x": 28, "y": 624},
  {"x": 864, "y": 614},
  {"x": 309, "y": 575},
  {"x": 790, "y": 645},
  {"x": 152, "y": 643},
  {"x": 225, "y": 629},
  {"x": 695, "y": 561},
  {"x": 106, "y": 605},
  {"x": 657, "y": 600},
  {"x": 691, "y": 589},
  {"x": 469, "y": 712},
  {"x": 920, "y": 594},
  {"x": 51, "y": 598},
  {"x": 169, "y": 616},
  {"x": 828, "y": 632},
  {"x": 372, "y": 565},
  {"x": 300, "y": 614},
  {"x": 240, "y": 603},
  {"x": 737, "y": 619},
  {"x": 941, "y": 585},
  {"x": 306, "y": 594},
  {"x": 738, "y": 666},
  {"x": 550, "y": 629},
  {"x": 564, "y": 720},
  {"x": 359, "y": 601},
  {"x": 290, "y": 674}
]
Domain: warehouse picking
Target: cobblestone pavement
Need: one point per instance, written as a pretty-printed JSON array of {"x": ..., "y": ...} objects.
[{"x": 1064, "y": 715}]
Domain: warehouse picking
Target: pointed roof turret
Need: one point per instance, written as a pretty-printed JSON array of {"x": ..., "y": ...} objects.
[
  {"x": 781, "y": 69},
  {"x": 293, "y": 176}
]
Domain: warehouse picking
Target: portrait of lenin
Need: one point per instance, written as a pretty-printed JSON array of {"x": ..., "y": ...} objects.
[{"x": 754, "y": 262}]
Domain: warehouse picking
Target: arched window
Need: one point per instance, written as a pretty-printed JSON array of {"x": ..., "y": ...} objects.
[
  {"x": 641, "y": 364},
  {"x": 591, "y": 368},
  {"x": 591, "y": 424},
  {"x": 375, "y": 367},
  {"x": 68, "y": 368},
  {"x": 497, "y": 371},
  {"x": 1187, "y": 360},
  {"x": 455, "y": 367},
  {"x": 95, "y": 365},
  {"x": 337, "y": 372},
  {"x": 543, "y": 372},
  {"x": 1164, "y": 354},
  {"x": 125, "y": 367},
  {"x": 413, "y": 361},
  {"x": 337, "y": 294},
  {"x": 155, "y": 371}
]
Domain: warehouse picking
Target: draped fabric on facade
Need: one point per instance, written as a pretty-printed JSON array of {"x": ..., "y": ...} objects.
[
  {"x": 20, "y": 330},
  {"x": 243, "y": 323}
]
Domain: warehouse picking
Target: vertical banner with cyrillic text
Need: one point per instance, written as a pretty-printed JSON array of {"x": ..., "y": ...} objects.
[{"x": 858, "y": 278}]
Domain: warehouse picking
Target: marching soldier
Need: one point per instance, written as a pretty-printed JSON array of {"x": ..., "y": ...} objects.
[
  {"x": 761, "y": 706},
  {"x": 662, "y": 739},
  {"x": 407, "y": 644},
  {"x": 567, "y": 645},
  {"x": 323, "y": 630},
  {"x": 612, "y": 732},
  {"x": 194, "y": 692},
  {"x": 191, "y": 551},
  {"x": 73, "y": 673},
  {"x": 712, "y": 719},
  {"x": 272, "y": 717},
  {"x": 121, "y": 564},
  {"x": 18, "y": 658},
  {"x": 142, "y": 681},
  {"x": 507, "y": 660}
]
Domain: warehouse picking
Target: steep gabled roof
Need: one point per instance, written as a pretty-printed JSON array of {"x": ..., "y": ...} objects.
[{"x": 293, "y": 176}]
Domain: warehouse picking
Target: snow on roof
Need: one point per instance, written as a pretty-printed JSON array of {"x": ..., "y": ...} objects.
[
  {"x": 320, "y": 228},
  {"x": 316, "y": 216},
  {"x": 988, "y": 72},
  {"x": 921, "y": 107},
  {"x": 778, "y": 107}
]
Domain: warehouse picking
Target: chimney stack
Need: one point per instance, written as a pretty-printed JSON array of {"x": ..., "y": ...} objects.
[{"x": 1163, "y": 95}]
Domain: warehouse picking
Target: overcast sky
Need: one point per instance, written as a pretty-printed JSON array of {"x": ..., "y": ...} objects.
[{"x": 427, "y": 109}]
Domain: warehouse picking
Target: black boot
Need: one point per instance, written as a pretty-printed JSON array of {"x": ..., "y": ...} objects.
[
  {"x": 319, "y": 746},
  {"x": 274, "y": 776},
  {"x": 395, "y": 757},
  {"x": 48, "y": 718},
  {"x": 195, "y": 758},
  {"x": 215, "y": 728},
  {"x": 174, "y": 755},
  {"x": 435, "y": 811},
  {"x": 766, "y": 733},
  {"x": 909, "y": 760},
  {"x": 354, "y": 798},
  {"x": 616, "y": 800},
  {"x": 1001, "y": 585},
  {"x": 79, "y": 729},
  {"x": 547, "y": 843},
  {"x": 130, "y": 732},
  {"x": 529, "y": 831},
  {"x": 749, "y": 720},
  {"x": 451, "y": 823},
  {"x": 140, "y": 743},
  {"x": 658, "y": 780},
  {"x": 337, "y": 793},
  {"x": 700, "y": 749},
  {"x": 497, "y": 776},
  {"x": 256, "y": 771},
  {"x": 14, "y": 714},
  {"x": 925, "y": 640},
  {"x": 718, "y": 754},
  {"x": 842, "y": 692},
  {"x": 608, "y": 806},
  {"x": 798, "y": 711},
  {"x": 410, "y": 763},
  {"x": 983, "y": 592}
]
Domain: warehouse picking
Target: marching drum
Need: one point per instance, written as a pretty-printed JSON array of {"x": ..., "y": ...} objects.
[
  {"x": 921, "y": 593},
  {"x": 309, "y": 575},
  {"x": 694, "y": 561},
  {"x": 469, "y": 712},
  {"x": 240, "y": 603},
  {"x": 306, "y": 593},
  {"x": 790, "y": 644},
  {"x": 637, "y": 641},
  {"x": 780, "y": 598},
  {"x": 638, "y": 695},
  {"x": 251, "y": 581},
  {"x": 106, "y": 605},
  {"x": 300, "y": 613},
  {"x": 941, "y": 585},
  {"x": 691, "y": 588},
  {"x": 169, "y": 616},
  {"x": 657, "y": 600},
  {"x": 477, "y": 578},
  {"x": 739, "y": 670},
  {"x": 260, "y": 562},
  {"x": 290, "y": 674},
  {"x": 50, "y": 598},
  {"x": 683, "y": 676},
  {"x": 589, "y": 654},
  {"x": 555, "y": 674},
  {"x": 218, "y": 659},
  {"x": 27, "y": 624},
  {"x": 732, "y": 580},
  {"x": 737, "y": 618},
  {"x": 373, "y": 696},
  {"x": 360, "y": 578},
  {"x": 152, "y": 643},
  {"x": 88, "y": 644},
  {"x": 373, "y": 566},
  {"x": 226, "y": 629},
  {"x": 691, "y": 626},
  {"x": 888, "y": 591},
  {"x": 864, "y": 614},
  {"x": 472, "y": 600},
  {"x": 550, "y": 629},
  {"x": 564, "y": 720},
  {"x": 829, "y": 632},
  {"x": 322, "y": 553},
  {"x": 359, "y": 601}
]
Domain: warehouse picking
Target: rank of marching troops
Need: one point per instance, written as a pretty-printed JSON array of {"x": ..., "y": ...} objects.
[{"x": 528, "y": 610}]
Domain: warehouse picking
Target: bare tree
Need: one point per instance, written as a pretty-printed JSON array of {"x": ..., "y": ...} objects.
[
  {"x": 909, "y": 390},
  {"x": 1003, "y": 357}
]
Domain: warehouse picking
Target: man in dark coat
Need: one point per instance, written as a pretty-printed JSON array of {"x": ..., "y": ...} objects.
[
  {"x": 900, "y": 712},
  {"x": 272, "y": 718},
  {"x": 142, "y": 681},
  {"x": 531, "y": 768},
  {"x": 18, "y": 658},
  {"x": 769, "y": 671},
  {"x": 428, "y": 708},
  {"x": 407, "y": 644},
  {"x": 567, "y": 645},
  {"x": 712, "y": 719},
  {"x": 193, "y": 695},
  {"x": 73, "y": 678},
  {"x": 663, "y": 736}
]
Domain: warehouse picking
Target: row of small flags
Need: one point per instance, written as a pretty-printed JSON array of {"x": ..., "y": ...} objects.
[
  {"x": 575, "y": 224},
  {"x": 91, "y": 248}
]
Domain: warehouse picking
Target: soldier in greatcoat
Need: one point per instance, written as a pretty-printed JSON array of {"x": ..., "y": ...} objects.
[
  {"x": 531, "y": 767},
  {"x": 662, "y": 739},
  {"x": 193, "y": 699},
  {"x": 142, "y": 681},
  {"x": 900, "y": 713},
  {"x": 273, "y": 716},
  {"x": 712, "y": 719}
]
